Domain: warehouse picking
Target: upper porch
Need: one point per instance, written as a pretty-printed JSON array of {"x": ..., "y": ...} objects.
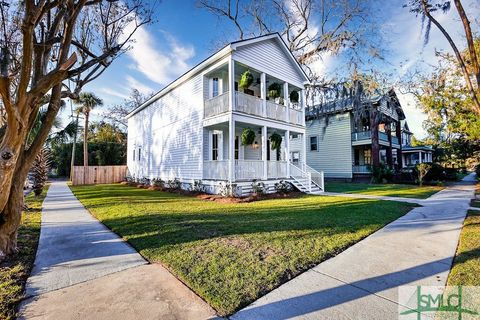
[{"x": 261, "y": 95}]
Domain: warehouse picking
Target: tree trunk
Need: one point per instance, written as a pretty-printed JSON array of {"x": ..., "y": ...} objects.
[
  {"x": 12, "y": 213},
  {"x": 374, "y": 121},
  {"x": 85, "y": 148}
]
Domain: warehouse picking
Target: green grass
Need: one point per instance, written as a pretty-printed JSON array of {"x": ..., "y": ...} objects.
[
  {"x": 391, "y": 190},
  {"x": 16, "y": 269},
  {"x": 466, "y": 266},
  {"x": 230, "y": 254}
]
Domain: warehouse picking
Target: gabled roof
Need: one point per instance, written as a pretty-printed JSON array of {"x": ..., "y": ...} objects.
[{"x": 217, "y": 56}]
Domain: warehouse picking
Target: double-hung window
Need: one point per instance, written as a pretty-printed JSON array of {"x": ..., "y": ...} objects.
[
  {"x": 215, "y": 146},
  {"x": 313, "y": 143}
]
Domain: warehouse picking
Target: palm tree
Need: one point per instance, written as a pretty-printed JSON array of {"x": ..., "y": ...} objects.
[{"x": 87, "y": 102}]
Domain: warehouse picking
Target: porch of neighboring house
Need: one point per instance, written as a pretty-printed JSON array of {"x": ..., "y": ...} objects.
[
  {"x": 415, "y": 155},
  {"x": 256, "y": 161}
]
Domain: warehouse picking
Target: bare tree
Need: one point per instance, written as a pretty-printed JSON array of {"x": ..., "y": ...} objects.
[
  {"x": 118, "y": 112},
  {"x": 309, "y": 27},
  {"x": 45, "y": 45},
  {"x": 471, "y": 67}
]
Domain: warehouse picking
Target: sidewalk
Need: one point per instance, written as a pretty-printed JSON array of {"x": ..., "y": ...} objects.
[
  {"x": 83, "y": 270},
  {"x": 362, "y": 282}
]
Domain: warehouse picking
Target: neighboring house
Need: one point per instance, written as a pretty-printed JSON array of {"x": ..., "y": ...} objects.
[
  {"x": 345, "y": 147},
  {"x": 413, "y": 155},
  {"x": 191, "y": 130}
]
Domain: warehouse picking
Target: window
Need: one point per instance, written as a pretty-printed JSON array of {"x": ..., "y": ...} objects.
[
  {"x": 313, "y": 143},
  {"x": 139, "y": 153},
  {"x": 294, "y": 136},
  {"x": 295, "y": 157},
  {"x": 367, "y": 156},
  {"x": 237, "y": 140},
  {"x": 134, "y": 155},
  {"x": 214, "y": 87},
  {"x": 215, "y": 146}
]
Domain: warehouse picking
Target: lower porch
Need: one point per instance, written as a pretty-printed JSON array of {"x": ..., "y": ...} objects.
[{"x": 364, "y": 158}]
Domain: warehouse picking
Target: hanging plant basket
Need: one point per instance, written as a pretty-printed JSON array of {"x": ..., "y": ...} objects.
[
  {"x": 275, "y": 141},
  {"x": 274, "y": 90},
  {"x": 248, "y": 136},
  {"x": 246, "y": 80},
  {"x": 294, "y": 96}
]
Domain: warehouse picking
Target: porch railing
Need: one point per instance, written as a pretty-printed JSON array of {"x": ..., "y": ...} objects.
[
  {"x": 395, "y": 140},
  {"x": 277, "y": 169},
  {"x": 276, "y": 111},
  {"x": 361, "y": 169},
  {"x": 215, "y": 169},
  {"x": 361, "y": 135},
  {"x": 382, "y": 136},
  {"x": 216, "y": 105},
  {"x": 296, "y": 116},
  {"x": 317, "y": 177},
  {"x": 248, "y": 169},
  {"x": 248, "y": 104}
]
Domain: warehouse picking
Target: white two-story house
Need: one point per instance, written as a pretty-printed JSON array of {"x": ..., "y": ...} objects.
[{"x": 192, "y": 129}]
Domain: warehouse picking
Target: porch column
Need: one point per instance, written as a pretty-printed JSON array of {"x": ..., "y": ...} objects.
[
  {"x": 419, "y": 156},
  {"x": 264, "y": 152},
  {"x": 304, "y": 149},
  {"x": 231, "y": 83},
  {"x": 389, "y": 148},
  {"x": 398, "y": 127},
  {"x": 231, "y": 149},
  {"x": 375, "y": 143},
  {"x": 287, "y": 151},
  {"x": 263, "y": 93},
  {"x": 286, "y": 101},
  {"x": 303, "y": 104}
]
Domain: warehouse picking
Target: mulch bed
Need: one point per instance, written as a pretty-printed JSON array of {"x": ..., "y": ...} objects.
[{"x": 216, "y": 197}]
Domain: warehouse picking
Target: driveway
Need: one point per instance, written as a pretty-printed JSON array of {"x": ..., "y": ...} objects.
[
  {"x": 83, "y": 270},
  {"x": 363, "y": 281}
]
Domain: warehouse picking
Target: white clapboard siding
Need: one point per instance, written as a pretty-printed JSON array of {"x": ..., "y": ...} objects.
[
  {"x": 170, "y": 132},
  {"x": 334, "y": 155},
  {"x": 268, "y": 56}
]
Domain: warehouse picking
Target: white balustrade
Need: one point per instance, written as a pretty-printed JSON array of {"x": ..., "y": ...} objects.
[
  {"x": 248, "y": 169},
  {"x": 276, "y": 111},
  {"x": 215, "y": 169},
  {"x": 276, "y": 169},
  {"x": 248, "y": 104},
  {"x": 216, "y": 105}
]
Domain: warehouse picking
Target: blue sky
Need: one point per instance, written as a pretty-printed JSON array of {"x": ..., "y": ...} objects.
[{"x": 185, "y": 35}]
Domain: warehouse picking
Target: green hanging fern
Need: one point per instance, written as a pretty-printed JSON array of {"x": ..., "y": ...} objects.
[
  {"x": 274, "y": 90},
  {"x": 246, "y": 80},
  {"x": 276, "y": 141},
  {"x": 248, "y": 136},
  {"x": 294, "y": 96}
]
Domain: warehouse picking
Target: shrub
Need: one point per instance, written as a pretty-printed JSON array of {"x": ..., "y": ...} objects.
[
  {"x": 246, "y": 80},
  {"x": 248, "y": 136},
  {"x": 422, "y": 170},
  {"x": 227, "y": 189},
  {"x": 381, "y": 173},
  {"x": 145, "y": 181},
  {"x": 258, "y": 187},
  {"x": 198, "y": 186},
  {"x": 157, "y": 182},
  {"x": 283, "y": 186},
  {"x": 174, "y": 184}
]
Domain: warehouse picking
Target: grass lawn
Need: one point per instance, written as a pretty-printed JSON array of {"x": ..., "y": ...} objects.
[
  {"x": 15, "y": 270},
  {"x": 466, "y": 266},
  {"x": 230, "y": 254},
  {"x": 392, "y": 190}
]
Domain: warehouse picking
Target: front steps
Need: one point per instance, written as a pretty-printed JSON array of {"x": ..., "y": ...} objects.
[{"x": 302, "y": 185}]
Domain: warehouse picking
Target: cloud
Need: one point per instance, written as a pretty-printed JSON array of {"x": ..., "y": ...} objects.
[
  {"x": 140, "y": 86},
  {"x": 414, "y": 115},
  {"x": 159, "y": 63},
  {"x": 114, "y": 93}
]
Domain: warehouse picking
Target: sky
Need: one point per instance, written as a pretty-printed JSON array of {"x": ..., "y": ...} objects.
[{"x": 184, "y": 35}]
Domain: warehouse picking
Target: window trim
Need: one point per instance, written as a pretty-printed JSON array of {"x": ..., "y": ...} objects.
[{"x": 310, "y": 143}]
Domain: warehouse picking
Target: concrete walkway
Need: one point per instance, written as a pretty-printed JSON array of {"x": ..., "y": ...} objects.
[
  {"x": 84, "y": 271},
  {"x": 362, "y": 282}
]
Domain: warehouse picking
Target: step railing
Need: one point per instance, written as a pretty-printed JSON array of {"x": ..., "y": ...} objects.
[{"x": 317, "y": 177}]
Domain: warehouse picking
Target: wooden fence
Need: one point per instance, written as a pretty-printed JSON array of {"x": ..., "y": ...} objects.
[{"x": 98, "y": 174}]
